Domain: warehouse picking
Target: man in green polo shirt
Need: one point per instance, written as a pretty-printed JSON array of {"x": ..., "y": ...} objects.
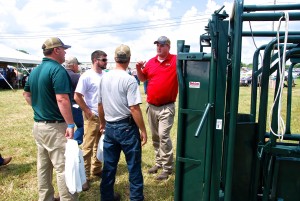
[{"x": 48, "y": 92}]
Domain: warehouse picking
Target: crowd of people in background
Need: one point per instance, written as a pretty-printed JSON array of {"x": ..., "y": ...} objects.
[
  {"x": 70, "y": 105},
  {"x": 12, "y": 78}
]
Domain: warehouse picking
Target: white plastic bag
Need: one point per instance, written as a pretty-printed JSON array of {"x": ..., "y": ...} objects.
[
  {"x": 100, "y": 148},
  {"x": 74, "y": 167}
]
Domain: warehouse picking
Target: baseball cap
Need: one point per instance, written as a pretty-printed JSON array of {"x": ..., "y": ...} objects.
[
  {"x": 122, "y": 53},
  {"x": 54, "y": 42},
  {"x": 163, "y": 40},
  {"x": 72, "y": 60}
]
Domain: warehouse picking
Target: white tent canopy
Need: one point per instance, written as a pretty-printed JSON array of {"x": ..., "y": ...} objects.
[{"x": 11, "y": 55}]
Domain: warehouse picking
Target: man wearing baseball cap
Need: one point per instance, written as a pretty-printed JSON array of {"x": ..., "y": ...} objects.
[
  {"x": 72, "y": 67},
  {"x": 162, "y": 89},
  {"x": 119, "y": 102},
  {"x": 48, "y": 91}
]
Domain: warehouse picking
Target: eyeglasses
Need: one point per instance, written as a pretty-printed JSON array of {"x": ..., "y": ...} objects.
[{"x": 104, "y": 60}]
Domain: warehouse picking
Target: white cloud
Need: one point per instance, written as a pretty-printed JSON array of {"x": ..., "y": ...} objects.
[{"x": 88, "y": 25}]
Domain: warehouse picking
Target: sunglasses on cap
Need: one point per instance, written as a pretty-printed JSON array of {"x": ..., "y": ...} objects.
[{"x": 104, "y": 60}]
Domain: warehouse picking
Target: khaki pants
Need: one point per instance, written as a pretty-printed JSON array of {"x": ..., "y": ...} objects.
[
  {"x": 160, "y": 121},
  {"x": 50, "y": 139},
  {"x": 89, "y": 147}
]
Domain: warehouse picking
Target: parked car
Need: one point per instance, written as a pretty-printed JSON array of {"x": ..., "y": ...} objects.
[
  {"x": 245, "y": 77},
  {"x": 246, "y": 81}
]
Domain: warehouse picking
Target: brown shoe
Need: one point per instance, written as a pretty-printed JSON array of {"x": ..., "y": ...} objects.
[
  {"x": 163, "y": 176},
  {"x": 117, "y": 197},
  {"x": 86, "y": 186},
  {"x": 6, "y": 160},
  {"x": 56, "y": 199},
  {"x": 153, "y": 170},
  {"x": 99, "y": 174}
]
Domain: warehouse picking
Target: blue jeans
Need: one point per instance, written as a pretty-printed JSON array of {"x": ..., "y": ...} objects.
[
  {"x": 137, "y": 79},
  {"x": 145, "y": 86},
  {"x": 122, "y": 136},
  {"x": 78, "y": 119}
]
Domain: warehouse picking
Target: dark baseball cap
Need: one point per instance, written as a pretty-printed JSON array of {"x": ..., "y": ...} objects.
[{"x": 163, "y": 40}]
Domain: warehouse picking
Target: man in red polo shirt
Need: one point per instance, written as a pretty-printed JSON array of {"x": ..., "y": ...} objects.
[{"x": 162, "y": 90}]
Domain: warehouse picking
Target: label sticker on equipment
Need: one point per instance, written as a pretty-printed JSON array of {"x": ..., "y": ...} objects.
[
  {"x": 219, "y": 124},
  {"x": 194, "y": 85}
]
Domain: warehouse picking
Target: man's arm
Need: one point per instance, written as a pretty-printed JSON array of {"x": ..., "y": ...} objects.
[
  {"x": 78, "y": 97},
  {"x": 138, "y": 118},
  {"x": 27, "y": 96},
  {"x": 64, "y": 105},
  {"x": 101, "y": 117},
  {"x": 139, "y": 71}
]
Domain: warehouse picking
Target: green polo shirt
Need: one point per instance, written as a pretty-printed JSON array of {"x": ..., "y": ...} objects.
[{"x": 44, "y": 82}]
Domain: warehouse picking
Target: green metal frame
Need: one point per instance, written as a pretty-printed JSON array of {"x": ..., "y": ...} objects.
[
  {"x": 243, "y": 13},
  {"x": 218, "y": 159}
]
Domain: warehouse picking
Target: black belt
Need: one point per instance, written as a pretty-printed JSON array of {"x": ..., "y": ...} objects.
[
  {"x": 126, "y": 120},
  {"x": 51, "y": 121}
]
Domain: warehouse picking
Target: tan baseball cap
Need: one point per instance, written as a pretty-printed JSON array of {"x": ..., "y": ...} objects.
[
  {"x": 72, "y": 60},
  {"x": 122, "y": 53},
  {"x": 54, "y": 42}
]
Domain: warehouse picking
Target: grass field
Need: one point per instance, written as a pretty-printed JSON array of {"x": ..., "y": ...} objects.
[{"x": 18, "y": 180}]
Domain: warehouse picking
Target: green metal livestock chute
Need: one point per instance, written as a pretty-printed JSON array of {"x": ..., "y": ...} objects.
[{"x": 223, "y": 154}]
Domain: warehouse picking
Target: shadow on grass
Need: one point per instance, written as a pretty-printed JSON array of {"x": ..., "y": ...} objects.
[
  {"x": 153, "y": 189},
  {"x": 12, "y": 169}
]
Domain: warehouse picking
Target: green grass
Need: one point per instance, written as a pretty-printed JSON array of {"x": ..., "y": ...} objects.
[
  {"x": 245, "y": 100},
  {"x": 18, "y": 180}
]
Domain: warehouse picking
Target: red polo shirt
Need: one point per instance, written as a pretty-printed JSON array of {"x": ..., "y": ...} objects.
[{"x": 162, "y": 85}]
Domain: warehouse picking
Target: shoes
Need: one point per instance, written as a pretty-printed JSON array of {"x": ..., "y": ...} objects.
[
  {"x": 153, "y": 170},
  {"x": 117, "y": 197},
  {"x": 163, "y": 176},
  {"x": 56, "y": 199},
  {"x": 6, "y": 160},
  {"x": 99, "y": 174},
  {"x": 86, "y": 186}
]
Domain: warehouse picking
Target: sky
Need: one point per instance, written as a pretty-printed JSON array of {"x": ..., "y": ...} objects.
[{"x": 89, "y": 25}]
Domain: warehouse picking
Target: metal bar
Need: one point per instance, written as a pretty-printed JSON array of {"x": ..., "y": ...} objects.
[
  {"x": 189, "y": 160},
  {"x": 289, "y": 99},
  {"x": 204, "y": 117},
  {"x": 289, "y": 94},
  {"x": 287, "y": 151},
  {"x": 292, "y": 137},
  {"x": 237, "y": 46},
  {"x": 190, "y": 111},
  {"x": 267, "y": 33},
  {"x": 178, "y": 182},
  {"x": 7, "y": 82},
  {"x": 219, "y": 110},
  {"x": 211, "y": 100},
  {"x": 255, "y": 80},
  {"x": 293, "y": 16},
  {"x": 251, "y": 8}
]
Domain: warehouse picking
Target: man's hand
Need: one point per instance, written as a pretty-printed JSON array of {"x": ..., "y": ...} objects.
[
  {"x": 69, "y": 133},
  {"x": 88, "y": 114},
  {"x": 140, "y": 64},
  {"x": 143, "y": 136}
]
